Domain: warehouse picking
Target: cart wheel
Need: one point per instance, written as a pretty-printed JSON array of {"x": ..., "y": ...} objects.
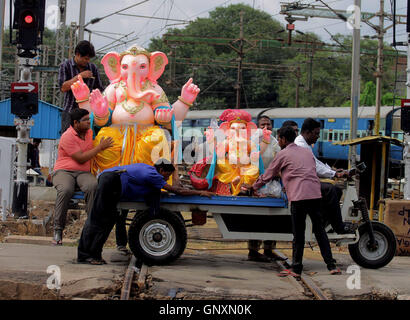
[
  {"x": 157, "y": 240},
  {"x": 378, "y": 257}
]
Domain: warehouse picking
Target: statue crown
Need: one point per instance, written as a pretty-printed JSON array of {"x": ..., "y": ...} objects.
[{"x": 135, "y": 50}]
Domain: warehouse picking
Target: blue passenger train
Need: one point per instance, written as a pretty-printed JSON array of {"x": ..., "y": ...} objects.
[{"x": 335, "y": 126}]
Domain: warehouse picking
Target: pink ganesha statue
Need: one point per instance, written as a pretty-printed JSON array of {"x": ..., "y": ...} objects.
[
  {"x": 235, "y": 159},
  {"x": 133, "y": 107}
]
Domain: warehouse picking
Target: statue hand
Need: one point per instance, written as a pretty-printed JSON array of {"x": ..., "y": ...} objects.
[
  {"x": 99, "y": 103},
  {"x": 80, "y": 89},
  {"x": 266, "y": 135},
  {"x": 189, "y": 91},
  {"x": 163, "y": 115}
]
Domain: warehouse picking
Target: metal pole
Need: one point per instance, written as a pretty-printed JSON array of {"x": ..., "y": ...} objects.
[
  {"x": 406, "y": 148},
  {"x": 379, "y": 70},
  {"x": 297, "y": 87},
  {"x": 2, "y": 10},
  {"x": 239, "y": 76},
  {"x": 355, "y": 90},
  {"x": 81, "y": 22}
]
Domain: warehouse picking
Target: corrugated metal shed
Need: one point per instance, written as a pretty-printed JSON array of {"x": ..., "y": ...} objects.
[{"x": 47, "y": 122}]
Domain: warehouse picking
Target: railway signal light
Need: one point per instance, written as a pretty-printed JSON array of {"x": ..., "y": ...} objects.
[
  {"x": 29, "y": 23},
  {"x": 24, "y": 99}
]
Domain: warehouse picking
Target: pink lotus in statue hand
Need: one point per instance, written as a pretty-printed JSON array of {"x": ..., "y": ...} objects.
[
  {"x": 99, "y": 103},
  {"x": 80, "y": 89},
  {"x": 189, "y": 91},
  {"x": 266, "y": 134}
]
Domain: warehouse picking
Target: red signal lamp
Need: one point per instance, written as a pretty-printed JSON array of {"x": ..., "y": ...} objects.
[{"x": 28, "y": 19}]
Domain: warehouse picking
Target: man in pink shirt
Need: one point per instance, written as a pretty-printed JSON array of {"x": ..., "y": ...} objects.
[
  {"x": 297, "y": 168},
  {"x": 73, "y": 166}
]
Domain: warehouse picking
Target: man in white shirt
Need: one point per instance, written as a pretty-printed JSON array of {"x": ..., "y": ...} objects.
[
  {"x": 268, "y": 148},
  {"x": 331, "y": 194}
]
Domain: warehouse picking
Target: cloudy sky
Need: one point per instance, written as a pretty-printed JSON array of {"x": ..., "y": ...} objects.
[{"x": 116, "y": 26}]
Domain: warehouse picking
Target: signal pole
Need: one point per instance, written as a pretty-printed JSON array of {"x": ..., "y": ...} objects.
[
  {"x": 355, "y": 89},
  {"x": 81, "y": 22},
  {"x": 23, "y": 124},
  {"x": 29, "y": 23},
  {"x": 379, "y": 70}
]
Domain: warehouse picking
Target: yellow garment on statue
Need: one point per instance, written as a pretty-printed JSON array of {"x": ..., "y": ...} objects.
[
  {"x": 130, "y": 146},
  {"x": 226, "y": 172}
]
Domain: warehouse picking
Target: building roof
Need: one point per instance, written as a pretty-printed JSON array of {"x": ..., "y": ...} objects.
[{"x": 47, "y": 122}]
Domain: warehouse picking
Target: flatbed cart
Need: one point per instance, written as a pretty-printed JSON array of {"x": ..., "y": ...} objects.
[{"x": 162, "y": 238}]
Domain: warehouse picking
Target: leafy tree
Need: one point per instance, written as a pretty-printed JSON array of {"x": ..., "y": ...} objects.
[
  {"x": 368, "y": 96},
  {"x": 214, "y": 67}
]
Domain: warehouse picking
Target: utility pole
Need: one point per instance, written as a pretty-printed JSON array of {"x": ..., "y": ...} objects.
[
  {"x": 355, "y": 89},
  {"x": 379, "y": 70},
  {"x": 73, "y": 40},
  {"x": 239, "y": 74},
  {"x": 81, "y": 22},
  {"x": 406, "y": 148},
  {"x": 60, "y": 46},
  {"x": 44, "y": 75},
  {"x": 2, "y": 9},
  {"x": 297, "y": 73}
]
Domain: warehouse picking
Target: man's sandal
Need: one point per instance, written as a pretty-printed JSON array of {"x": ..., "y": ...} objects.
[
  {"x": 335, "y": 271},
  {"x": 93, "y": 261},
  {"x": 287, "y": 272}
]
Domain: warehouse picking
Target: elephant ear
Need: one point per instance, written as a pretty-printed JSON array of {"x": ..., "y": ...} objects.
[
  {"x": 158, "y": 61},
  {"x": 112, "y": 66}
]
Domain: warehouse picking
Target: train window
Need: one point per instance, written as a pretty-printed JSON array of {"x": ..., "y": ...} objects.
[
  {"x": 346, "y": 135},
  {"x": 187, "y": 123},
  {"x": 330, "y": 136},
  {"x": 325, "y": 135},
  {"x": 203, "y": 122},
  {"x": 363, "y": 134},
  {"x": 336, "y": 136}
]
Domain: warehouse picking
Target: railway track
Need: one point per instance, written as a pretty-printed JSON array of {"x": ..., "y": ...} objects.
[{"x": 135, "y": 280}]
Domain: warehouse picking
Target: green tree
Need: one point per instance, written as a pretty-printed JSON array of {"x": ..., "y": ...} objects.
[
  {"x": 368, "y": 96},
  {"x": 214, "y": 67}
]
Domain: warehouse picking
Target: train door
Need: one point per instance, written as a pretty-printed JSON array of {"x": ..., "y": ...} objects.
[{"x": 320, "y": 140}]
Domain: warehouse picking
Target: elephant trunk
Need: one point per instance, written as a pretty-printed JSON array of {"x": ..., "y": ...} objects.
[{"x": 134, "y": 90}]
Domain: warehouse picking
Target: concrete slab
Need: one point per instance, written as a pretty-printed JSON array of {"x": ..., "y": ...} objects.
[
  {"x": 227, "y": 276},
  {"x": 37, "y": 240},
  {"x": 23, "y": 272},
  {"x": 42, "y": 193},
  {"x": 388, "y": 282}
]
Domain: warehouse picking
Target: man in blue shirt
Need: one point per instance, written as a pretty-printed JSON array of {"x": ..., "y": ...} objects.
[{"x": 124, "y": 183}]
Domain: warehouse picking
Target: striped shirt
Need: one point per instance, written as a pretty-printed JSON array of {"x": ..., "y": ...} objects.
[{"x": 68, "y": 70}]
